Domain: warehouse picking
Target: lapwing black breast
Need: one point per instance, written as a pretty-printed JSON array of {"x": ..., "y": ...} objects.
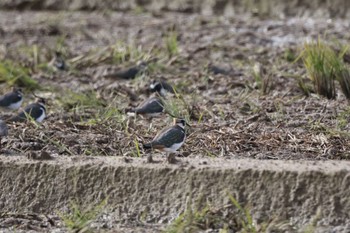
[
  {"x": 12, "y": 100},
  {"x": 36, "y": 111},
  {"x": 161, "y": 87},
  {"x": 150, "y": 107},
  {"x": 169, "y": 139}
]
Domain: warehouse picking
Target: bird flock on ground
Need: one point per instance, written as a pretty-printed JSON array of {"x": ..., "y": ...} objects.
[{"x": 168, "y": 140}]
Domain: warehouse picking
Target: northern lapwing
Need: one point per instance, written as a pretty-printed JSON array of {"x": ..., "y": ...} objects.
[
  {"x": 58, "y": 62},
  {"x": 3, "y": 131},
  {"x": 151, "y": 107},
  {"x": 12, "y": 100},
  {"x": 161, "y": 87},
  {"x": 129, "y": 73},
  {"x": 36, "y": 111},
  {"x": 214, "y": 69},
  {"x": 169, "y": 140}
]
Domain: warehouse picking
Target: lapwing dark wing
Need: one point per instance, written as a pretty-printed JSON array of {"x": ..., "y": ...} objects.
[
  {"x": 161, "y": 87},
  {"x": 36, "y": 111},
  {"x": 129, "y": 73},
  {"x": 12, "y": 100},
  {"x": 151, "y": 107},
  {"x": 218, "y": 70},
  {"x": 169, "y": 139},
  {"x": 3, "y": 131}
]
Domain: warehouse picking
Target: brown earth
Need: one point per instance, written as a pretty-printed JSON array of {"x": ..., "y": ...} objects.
[
  {"x": 232, "y": 117},
  {"x": 321, "y": 8}
]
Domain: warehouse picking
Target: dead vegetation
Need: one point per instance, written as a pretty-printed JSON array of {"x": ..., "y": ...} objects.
[{"x": 262, "y": 106}]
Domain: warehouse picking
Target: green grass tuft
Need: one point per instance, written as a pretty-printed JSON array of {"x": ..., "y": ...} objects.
[
  {"x": 194, "y": 220},
  {"x": 137, "y": 148},
  {"x": 289, "y": 55},
  {"x": 177, "y": 107},
  {"x": 16, "y": 75},
  {"x": 171, "y": 44},
  {"x": 81, "y": 217},
  {"x": 81, "y": 101},
  {"x": 324, "y": 66},
  {"x": 244, "y": 216},
  {"x": 262, "y": 79}
]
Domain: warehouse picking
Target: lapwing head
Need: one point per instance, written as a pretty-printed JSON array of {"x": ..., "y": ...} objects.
[
  {"x": 142, "y": 65},
  {"x": 17, "y": 90},
  {"x": 180, "y": 122},
  {"x": 155, "y": 86},
  {"x": 41, "y": 101}
]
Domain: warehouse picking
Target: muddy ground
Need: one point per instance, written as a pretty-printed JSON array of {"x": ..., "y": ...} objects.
[{"x": 233, "y": 114}]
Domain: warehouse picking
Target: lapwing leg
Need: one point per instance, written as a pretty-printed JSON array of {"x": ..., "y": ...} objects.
[
  {"x": 171, "y": 158},
  {"x": 150, "y": 158},
  {"x": 135, "y": 118}
]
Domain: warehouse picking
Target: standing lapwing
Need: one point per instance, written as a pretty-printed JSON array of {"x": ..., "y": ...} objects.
[
  {"x": 169, "y": 140},
  {"x": 3, "y": 131},
  {"x": 161, "y": 87},
  {"x": 151, "y": 107},
  {"x": 36, "y": 111},
  {"x": 12, "y": 100}
]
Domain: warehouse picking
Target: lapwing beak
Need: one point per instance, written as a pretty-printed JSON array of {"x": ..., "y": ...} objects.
[{"x": 39, "y": 97}]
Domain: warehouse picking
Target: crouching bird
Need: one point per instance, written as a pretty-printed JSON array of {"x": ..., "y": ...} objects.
[
  {"x": 129, "y": 73},
  {"x": 36, "y": 111},
  {"x": 169, "y": 140},
  {"x": 151, "y": 107},
  {"x": 12, "y": 100}
]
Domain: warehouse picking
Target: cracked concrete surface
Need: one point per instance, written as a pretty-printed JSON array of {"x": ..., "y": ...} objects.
[{"x": 292, "y": 190}]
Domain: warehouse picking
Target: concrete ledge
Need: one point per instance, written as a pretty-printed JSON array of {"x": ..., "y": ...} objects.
[{"x": 294, "y": 191}]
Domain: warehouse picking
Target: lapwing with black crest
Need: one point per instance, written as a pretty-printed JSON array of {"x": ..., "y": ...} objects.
[
  {"x": 12, "y": 100},
  {"x": 162, "y": 88},
  {"x": 169, "y": 140}
]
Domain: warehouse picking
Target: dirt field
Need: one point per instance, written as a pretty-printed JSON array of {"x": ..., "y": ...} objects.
[
  {"x": 229, "y": 113},
  {"x": 254, "y": 108}
]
